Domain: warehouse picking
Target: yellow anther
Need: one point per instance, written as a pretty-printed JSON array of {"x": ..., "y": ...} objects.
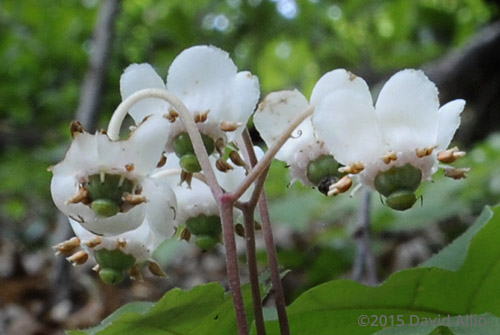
[
  {"x": 156, "y": 270},
  {"x": 133, "y": 199},
  {"x": 172, "y": 115},
  {"x": 81, "y": 196},
  {"x": 78, "y": 258},
  {"x": 422, "y": 152},
  {"x": 389, "y": 157},
  {"x": 229, "y": 126},
  {"x": 450, "y": 155},
  {"x": 341, "y": 186},
  {"x": 354, "y": 168},
  {"x": 94, "y": 242},
  {"x": 455, "y": 173},
  {"x": 135, "y": 272},
  {"x": 121, "y": 243},
  {"x": 222, "y": 165},
  {"x": 67, "y": 247}
]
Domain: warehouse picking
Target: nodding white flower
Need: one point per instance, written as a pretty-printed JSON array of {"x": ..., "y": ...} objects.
[
  {"x": 304, "y": 152},
  {"x": 395, "y": 145},
  {"x": 116, "y": 254},
  {"x": 104, "y": 184},
  {"x": 206, "y": 80}
]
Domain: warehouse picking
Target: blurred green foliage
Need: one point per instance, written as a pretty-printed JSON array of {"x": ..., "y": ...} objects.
[{"x": 45, "y": 44}]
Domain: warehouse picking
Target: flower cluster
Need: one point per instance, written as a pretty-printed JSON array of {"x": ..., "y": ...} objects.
[
  {"x": 392, "y": 147},
  {"x": 124, "y": 197}
]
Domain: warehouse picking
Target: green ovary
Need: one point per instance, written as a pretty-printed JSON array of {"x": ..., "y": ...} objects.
[
  {"x": 207, "y": 230},
  {"x": 113, "y": 264},
  {"x": 398, "y": 185},
  {"x": 106, "y": 196},
  {"x": 183, "y": 148}
]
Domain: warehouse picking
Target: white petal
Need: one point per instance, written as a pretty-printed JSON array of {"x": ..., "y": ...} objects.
[
  {"x": 275, "y": 113},
  {"x": 147, "y": 143},
  {"x": 449, "y": 120},
  {"x": 194, "y": 201},
  {"x": 138, "y": 77},
  {"x": 407, "y": 110},
  {"x": 81, "y": 155},
  {"x": 244, "y": 98},
  {"x": 116, "y": 224},
  {"x": 200, "y": 77},
  {"x": 346, "y": 122},
  {"x": 161, "y": 206},
  {"x": 336, "y": 80}
]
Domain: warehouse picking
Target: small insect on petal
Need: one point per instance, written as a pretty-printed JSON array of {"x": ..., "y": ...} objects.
[
  {"x": 450, "y": 155},
  {"x": 456, "y": 173},
  {"x": 340, "y": 187}
]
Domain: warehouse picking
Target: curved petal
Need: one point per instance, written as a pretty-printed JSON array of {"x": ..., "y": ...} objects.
[
  {"x": 275, "y": 113},
  {"x": 200, "y": 77},
  {"x": 346, "y": 122},
  {"x": 449, "y": 121},
  {"x": 147, "y": 143},
  {"x": 116, "y": 224},
  {"x": 244, "y": 98},
  {"x": 336, "y": 80},
  {"x": 161, "y": 208},
  {"x": 138, "y": 77},
  {"x": 81, "y": 155},
  {"x": 407, "y": 111}
]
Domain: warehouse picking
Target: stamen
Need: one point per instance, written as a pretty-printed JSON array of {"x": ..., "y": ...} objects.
[
  {"x": 354, "y": 168},
  {"x": 422, "y": 152},
  {"x": 172, "y": 115},
  {"x": 121, "y": 243},
  {"x": 185, "y": 235},
  {"x": 229, "y": 126},
  {"x": 133, "y": 199},
  {"x": 76, "y": 128},
  {"x": 94, "y": 242},
  {"x": 81, "y": 196},
  {"x": 186, "y": 177},
  {"x": 220, "y": 145},
  {"x": 67, "y": 247},
  {"x": 96, "y": 268},
  {"x": 340, "y": 187},
  {"x": 222, "y": 165},
  {"x": 129, "y": 167},
  {"x": 235, "y": 157},
  {"x": 456, "y": 173},
  {"x": 450, "y": 155},
  {"x": 102, "y": 176},
  {"x": 389, "y": 157},
  {"x": 78, "y": 258},
  {"x": 163, "y": 161},
  {"x": 120, "y": 182},
  {"x": 156, "y": 269},
  {"x": 135, "y": 272}
]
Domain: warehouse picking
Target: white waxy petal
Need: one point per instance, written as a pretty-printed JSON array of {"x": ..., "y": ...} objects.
[
  {"x": 81, "y": 155},
  {"x": 276, "y": 112},
  {"x": 449, "y": 121},
  {"x": 407, "y": 111},
  {"x": 246, "y": 92},
  {"x": 200, "y": 77},
  {"x": 113, "y": 225},
  {"x": 336, "y": 80},
  {"x": 346, "y": 122},
  {"x": 138, "y": 77},
  {"x": 161, "y": 206}
]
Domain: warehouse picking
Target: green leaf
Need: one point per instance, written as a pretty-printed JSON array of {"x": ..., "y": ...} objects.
[
  {"x": 133, "y": 308},
  {"x": 453, "y": 256},
  {"x": 419, "y": 292},
  {"x": 199, "y": 311}
]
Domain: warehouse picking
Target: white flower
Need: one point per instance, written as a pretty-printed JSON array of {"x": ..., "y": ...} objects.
[
  {"x": 279, "y": 109},
  {"x": 206, "y": 80},
  {"x": 404, "y": 131},
  {"x": 104, "y": 184}
]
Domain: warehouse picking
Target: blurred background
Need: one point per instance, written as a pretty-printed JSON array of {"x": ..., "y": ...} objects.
[{"x": 62, "y": 60}]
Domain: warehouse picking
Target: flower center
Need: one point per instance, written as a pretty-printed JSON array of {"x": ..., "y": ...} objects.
[
  {"x": 323, "y": 171},
  {"x": 398, "y": 185},
  {"x": 207, "y": 230},
  {"x": 113, "y": 264},
  {"x": 183, "y": 148},
  {"x": 106, "y": 193}
]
